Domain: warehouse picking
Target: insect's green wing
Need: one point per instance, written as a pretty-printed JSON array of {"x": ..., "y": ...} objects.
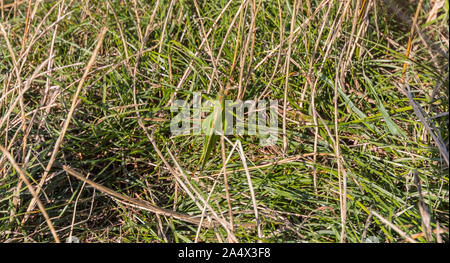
[{"x": 211, "y": 124}]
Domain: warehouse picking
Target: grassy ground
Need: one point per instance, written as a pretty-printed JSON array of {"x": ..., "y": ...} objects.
[{"x": 362, "y": 153}]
